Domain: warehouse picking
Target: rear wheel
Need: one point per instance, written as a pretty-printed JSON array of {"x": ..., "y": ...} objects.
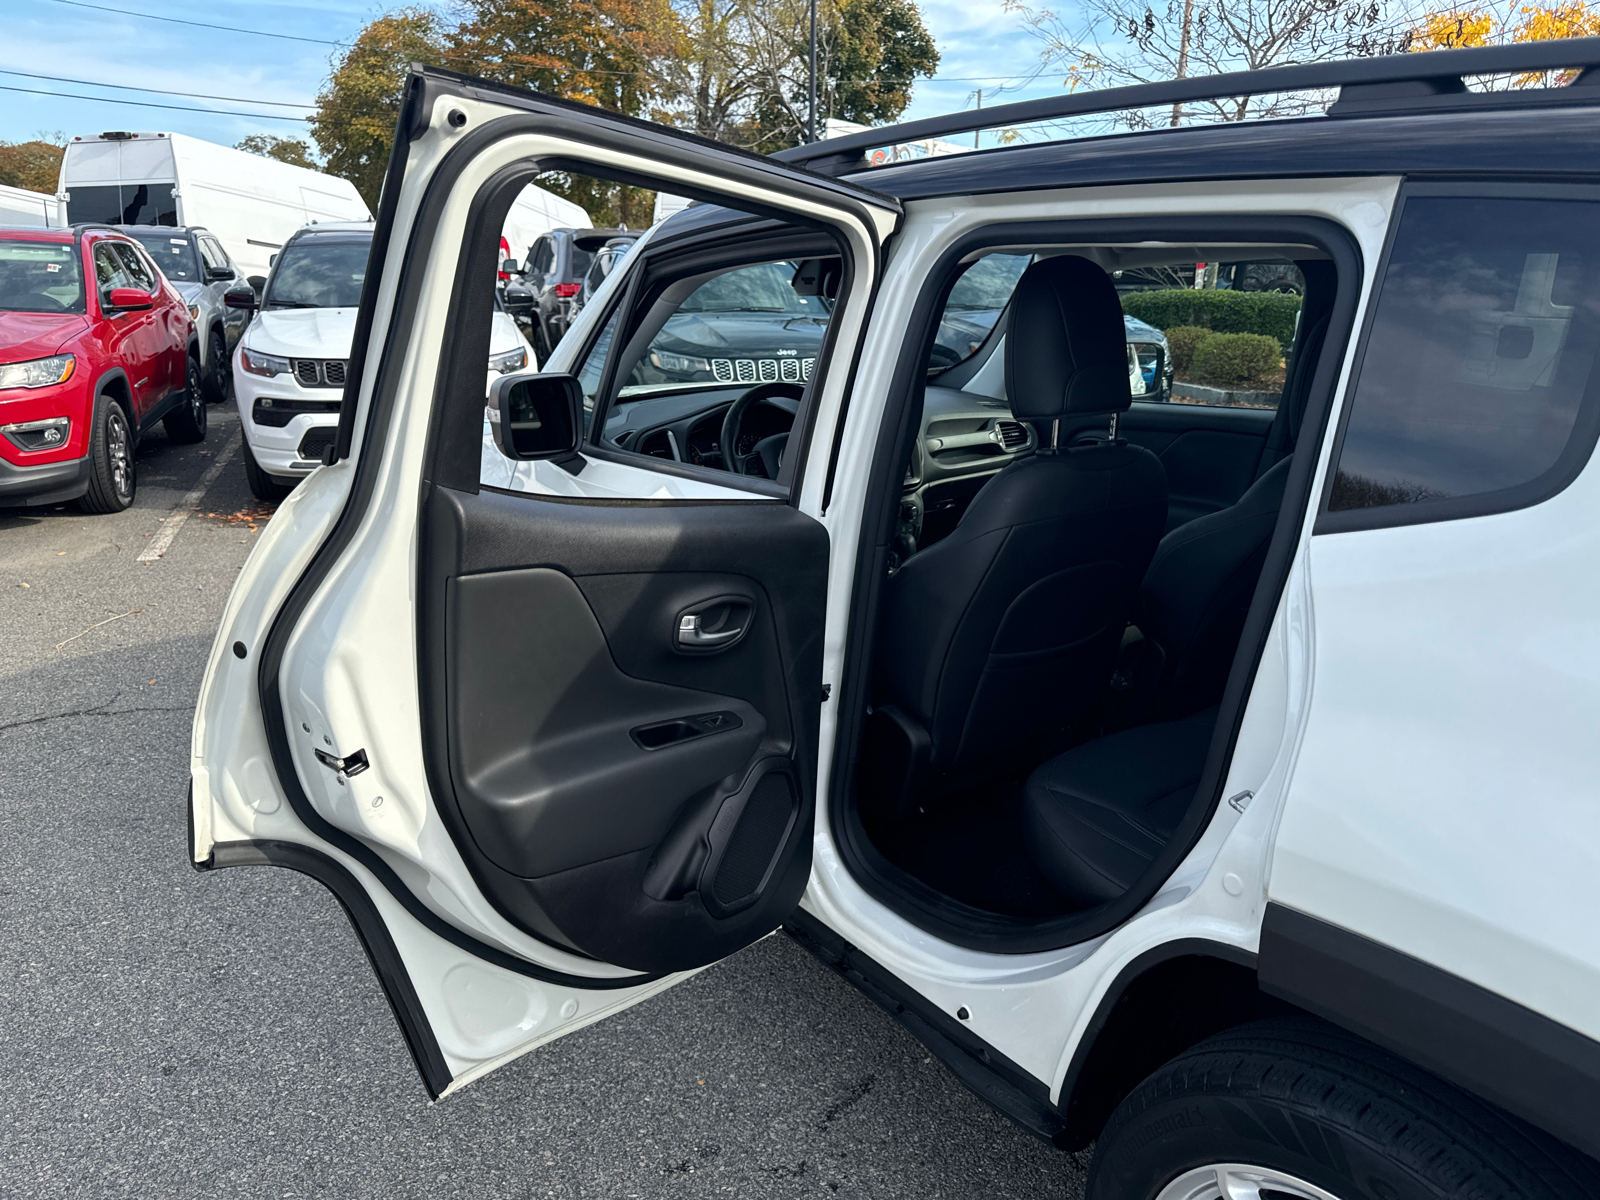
[
  {"x": 219, "y": 378},
  {"x": 111, "y": 476},
  {"x": 187, "y": 422},
  {"x": 262, "y": 485},
  {"x": 1295, "y": 1109}
]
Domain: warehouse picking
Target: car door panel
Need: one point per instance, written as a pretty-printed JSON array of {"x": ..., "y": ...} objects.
[
  {"x": 587, "y": 808},
  {"x": 471, "y": 700}
]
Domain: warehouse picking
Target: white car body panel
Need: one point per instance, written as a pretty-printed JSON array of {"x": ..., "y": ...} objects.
[
  {"x": 1032, "y": 1007},
  {"x": 19, "y": 206}
]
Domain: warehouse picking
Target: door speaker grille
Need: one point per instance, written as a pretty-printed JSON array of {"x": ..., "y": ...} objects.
[{"x": 756, "y": 839}]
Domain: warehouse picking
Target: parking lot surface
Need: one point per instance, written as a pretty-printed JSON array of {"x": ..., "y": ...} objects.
[{"x": 166, "y": 1033}]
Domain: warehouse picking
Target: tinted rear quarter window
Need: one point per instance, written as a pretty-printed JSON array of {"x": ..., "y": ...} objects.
[{"x": 1476, "y": 387}]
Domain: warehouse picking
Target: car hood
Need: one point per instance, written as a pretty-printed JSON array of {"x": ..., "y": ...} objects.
[
  {"x": 189, "y": 290},
  {"x": 1145, "y": 333},
  {"x": 303, "y": 332},
  {"x": 25, "y": 336},
  {"x": 710, "y": 334}
]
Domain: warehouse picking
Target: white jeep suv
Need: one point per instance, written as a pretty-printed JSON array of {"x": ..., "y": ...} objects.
[{"x": 290, "y": 367}]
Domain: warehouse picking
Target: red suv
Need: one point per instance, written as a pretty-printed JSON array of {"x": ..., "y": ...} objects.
[{"x": 85, "y": 371}]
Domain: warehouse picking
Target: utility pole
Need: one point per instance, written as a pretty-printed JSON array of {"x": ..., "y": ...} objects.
[
  {"x": 976, "y": 133},
  {"x": 811, "y": 109},
  {"x": 1183, "y": 56}
]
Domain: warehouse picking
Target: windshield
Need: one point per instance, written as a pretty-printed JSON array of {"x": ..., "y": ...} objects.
[
  {"x": 767, "y": 287},
  {"x": 40, "y": 277},
  {"x": 319, "y": 274},
  {"x": 174, "y": 255}
]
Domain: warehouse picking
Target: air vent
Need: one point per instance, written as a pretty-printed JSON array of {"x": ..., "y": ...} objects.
[
  {"x": 1013, "y": 436},
  {"x": 657, "y": 445}
]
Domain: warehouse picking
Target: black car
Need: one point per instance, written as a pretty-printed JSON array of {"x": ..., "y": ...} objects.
[{"x": 544, "y": 296}]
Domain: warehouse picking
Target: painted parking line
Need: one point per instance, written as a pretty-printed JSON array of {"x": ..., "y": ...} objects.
[{"x": 186, "y": 507}]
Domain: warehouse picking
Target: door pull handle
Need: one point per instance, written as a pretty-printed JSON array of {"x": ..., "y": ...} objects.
[{"x": 691, "y": 634}]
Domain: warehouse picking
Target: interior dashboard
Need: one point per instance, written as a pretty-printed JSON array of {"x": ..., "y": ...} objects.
[{"x": 686, "y": 426}]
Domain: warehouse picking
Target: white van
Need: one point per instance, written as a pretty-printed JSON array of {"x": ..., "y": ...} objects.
[
  {"x": 536, "y": 212},
  {"x": 19, "y": 206},
  {"x": 251, "y": 203}
]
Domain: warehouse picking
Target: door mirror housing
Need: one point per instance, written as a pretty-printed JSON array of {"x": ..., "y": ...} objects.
[
  {"x": 129, "y": 299},
  {"x": 217, "y": 274},
  {"x": 239, "y": 297},
  {"x": 536, "y": 416},
  {"x": 258, "y": 282},
  {"x": 510, "y": 267}
]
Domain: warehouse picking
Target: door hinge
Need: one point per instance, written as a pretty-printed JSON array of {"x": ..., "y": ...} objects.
[{"x": 350, "y": 764}]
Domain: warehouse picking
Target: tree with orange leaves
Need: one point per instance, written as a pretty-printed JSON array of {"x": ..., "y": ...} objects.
[{"x": 1450, "y": 28}]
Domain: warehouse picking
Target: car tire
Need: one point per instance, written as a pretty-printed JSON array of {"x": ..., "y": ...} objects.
[
  {"x": 265, "y": 487},
  {"x": 187, "y": 422},
  {"x": 112, "y": 479},
  {"x": 219, "y": 379},
  {"x": 1293, "y": 1107}
]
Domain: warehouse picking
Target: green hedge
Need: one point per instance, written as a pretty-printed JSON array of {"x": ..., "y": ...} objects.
[
  {"x": 1235, "y": 358},
  {"x": 1182, "y": 341},
  {"x": 1268, "y": 313}
]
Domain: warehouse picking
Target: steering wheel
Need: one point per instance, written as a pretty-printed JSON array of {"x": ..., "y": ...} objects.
[{"x": 768, "y": 450}]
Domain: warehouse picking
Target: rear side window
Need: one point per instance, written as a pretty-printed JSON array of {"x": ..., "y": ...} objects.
[
  {"x": 138, "y": 269},
  {"x": 1476, "y": 387}
]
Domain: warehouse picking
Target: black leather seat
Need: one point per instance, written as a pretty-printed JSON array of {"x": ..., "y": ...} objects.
[
  {"x": 1097, "y": 816},
  {"x": 992, "y": 642},
  {"x": 1197, "y": 592}
]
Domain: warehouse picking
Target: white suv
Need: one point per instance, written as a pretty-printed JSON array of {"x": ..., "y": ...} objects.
[
  {"x": 289, "y": 369},
  {"x": 1214, "y": 783}
]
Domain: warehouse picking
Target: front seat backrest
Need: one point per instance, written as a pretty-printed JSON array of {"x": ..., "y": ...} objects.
[{"x": 993, "y": 642}]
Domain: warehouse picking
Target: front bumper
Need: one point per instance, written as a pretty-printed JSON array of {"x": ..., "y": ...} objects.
[
  {"x": 34, "y": 484},
  {"x": 285, "y": 451}
]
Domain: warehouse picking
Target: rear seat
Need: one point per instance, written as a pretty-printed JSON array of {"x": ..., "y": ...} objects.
[{"x": 1095, "y": 817}]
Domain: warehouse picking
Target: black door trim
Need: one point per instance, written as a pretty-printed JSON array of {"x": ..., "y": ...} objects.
[
  {"x": 371, "y": 932},
  {"x": 1541, "y": 1070}
]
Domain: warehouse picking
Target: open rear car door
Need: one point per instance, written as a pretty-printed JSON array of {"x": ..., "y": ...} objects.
[{"x": 551, "y": 749}]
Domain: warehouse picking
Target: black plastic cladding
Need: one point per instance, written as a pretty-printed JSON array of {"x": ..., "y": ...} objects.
[{"x": 939, "y": 915}]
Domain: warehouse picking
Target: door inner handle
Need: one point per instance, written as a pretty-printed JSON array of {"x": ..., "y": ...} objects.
[
  {"x": 690, "y": 632},
  {"x": 713, "y": 625}
]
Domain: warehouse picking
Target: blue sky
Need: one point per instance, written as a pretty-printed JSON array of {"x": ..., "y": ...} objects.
[{"x": 982, "y": 46}]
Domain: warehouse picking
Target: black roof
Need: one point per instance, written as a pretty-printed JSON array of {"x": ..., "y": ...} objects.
[{"x": 159, "y": 229}]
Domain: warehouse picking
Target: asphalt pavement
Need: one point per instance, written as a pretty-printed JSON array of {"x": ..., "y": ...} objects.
[{"x": 169, "y": 1034}]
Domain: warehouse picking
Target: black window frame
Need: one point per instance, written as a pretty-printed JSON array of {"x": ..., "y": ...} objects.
[{"x": 1569, "y": 464}]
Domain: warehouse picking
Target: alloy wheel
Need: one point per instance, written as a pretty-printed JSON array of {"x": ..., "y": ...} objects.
[
  {"x": 1239, "y": 1181},
  {"x": 118, "y": 454}
]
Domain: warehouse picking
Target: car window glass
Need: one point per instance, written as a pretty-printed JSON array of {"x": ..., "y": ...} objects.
[
  {"x": 40, "y": 277},
  {"x": 1481, "y": 353},
  {"x": 594, "y": 362},
  {"x": 212, "y": 253},
  {"x": 123, "y": 204},
  {"x": 543, "y": 256},
  {"x": 174, "y": 255},
  {"x": 975, "y": 304},
  {"x": 319, "y": 274},
  {"x": 110, "y": 269},
  {"x": 745, "y": 325},
  {"x": 138, "y": 269}
]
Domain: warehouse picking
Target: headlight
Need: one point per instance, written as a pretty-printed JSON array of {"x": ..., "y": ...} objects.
[
  {"x": 262, "y": 364},
  {"x": 48, "y": 434},
  {"x": 41, "y": 372},
  {"x": 682, "y": 363},
  {"x": 511, "y": 360}
]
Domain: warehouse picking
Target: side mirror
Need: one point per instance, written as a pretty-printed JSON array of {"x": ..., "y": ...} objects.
[
  {"x": 216, "y": 274},
  {"x": 536, "y": 416},
  {"x": 258, "y": 283},
  {"x": 129, "y": 299},
  {"x": 510, "y": 267},
  {"x": 239, "y": 297},
  {"x": 272, "y": 260}
]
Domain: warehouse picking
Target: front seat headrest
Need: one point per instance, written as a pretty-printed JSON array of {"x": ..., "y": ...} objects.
[{"x": 1066, "y": 348}]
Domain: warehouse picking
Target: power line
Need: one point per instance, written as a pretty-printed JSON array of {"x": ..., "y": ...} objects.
[
  {"x": 122, "y": 12},
  {"x": 123, "y": 87},
  {"x": 215, "y": 112}
]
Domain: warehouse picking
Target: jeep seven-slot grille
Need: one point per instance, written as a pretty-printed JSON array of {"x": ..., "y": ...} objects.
[
  {"x": 319, "y": 372},
  {"x": 762, "y": 370},
  {"x": 1012, "y": 435}
]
